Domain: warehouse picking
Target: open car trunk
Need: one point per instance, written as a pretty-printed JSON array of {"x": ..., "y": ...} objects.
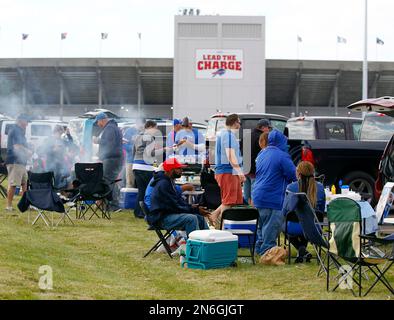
[{"x": 383, "y": 105}]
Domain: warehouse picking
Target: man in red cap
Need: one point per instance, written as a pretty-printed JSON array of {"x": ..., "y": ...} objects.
[{"x": 168, "y": 209}]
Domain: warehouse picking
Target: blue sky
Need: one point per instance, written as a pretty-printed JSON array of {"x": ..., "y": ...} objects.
[{"x": 317, "y": 22}]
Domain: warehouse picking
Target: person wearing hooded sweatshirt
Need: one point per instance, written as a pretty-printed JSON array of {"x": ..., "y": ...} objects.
[
  {"x": 167, "y": 209},
  {"x": 274, "y": 171}
]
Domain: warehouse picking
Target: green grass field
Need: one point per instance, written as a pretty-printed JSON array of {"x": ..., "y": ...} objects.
[{"x": 101, "y": 259}]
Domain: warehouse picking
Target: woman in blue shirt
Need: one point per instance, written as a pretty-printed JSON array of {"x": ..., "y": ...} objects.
[{"x": 315, "y": 192}]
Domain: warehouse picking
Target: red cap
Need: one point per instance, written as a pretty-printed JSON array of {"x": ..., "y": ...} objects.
[{"x": 172, "y": 163}]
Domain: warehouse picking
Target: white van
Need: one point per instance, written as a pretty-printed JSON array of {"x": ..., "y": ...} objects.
[{"x": 36, "y": 132}]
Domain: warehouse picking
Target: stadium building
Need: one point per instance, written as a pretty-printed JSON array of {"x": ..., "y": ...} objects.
[{"x": 218, "y": 64}]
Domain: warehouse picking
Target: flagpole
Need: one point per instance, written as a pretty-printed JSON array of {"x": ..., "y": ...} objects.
[
  {"x": 365, "y": 62},
  {"x": 140, "y": 49},
  {"x": 22, "y": 47},
  {"x": 298, "y": 49},
  {"x": 101, "y": 46}
]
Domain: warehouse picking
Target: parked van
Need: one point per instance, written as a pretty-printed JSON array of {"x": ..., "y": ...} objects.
[{"x": 36, "y": 132}]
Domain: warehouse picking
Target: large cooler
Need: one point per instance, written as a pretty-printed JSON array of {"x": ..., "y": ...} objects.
[
  {"x": 128, "y": 198},
  {"x": 243, "y": 241},
  {"x": 209, "y": 249}
]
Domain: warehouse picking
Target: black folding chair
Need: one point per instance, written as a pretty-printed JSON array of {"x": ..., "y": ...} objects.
[
  {"x": 211, "y": 197},
  {"x": 3, "y": 176},
  {"x": 298, "y": 209},
  {"x": 243, "y": 213},
  {"x": 94, "y": 192},
  {"x": 162, "y": 237},
  {"x": 41, "y": 197}
]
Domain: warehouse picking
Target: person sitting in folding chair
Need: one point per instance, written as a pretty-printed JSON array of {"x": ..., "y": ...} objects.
[
  {"x": 168, "y": 209},
  {"x": 149, "y": 189},
  {"x": 306, "y": 183}
]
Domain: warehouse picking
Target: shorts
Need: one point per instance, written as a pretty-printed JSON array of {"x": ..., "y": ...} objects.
[
  {"x": 230, "y": 188},
  {"x": 17, "y": 175}
]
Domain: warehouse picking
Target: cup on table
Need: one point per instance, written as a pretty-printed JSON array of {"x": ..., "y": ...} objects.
[{"x": 345, "y": 189}]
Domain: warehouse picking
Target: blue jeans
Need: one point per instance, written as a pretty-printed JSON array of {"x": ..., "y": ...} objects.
[
  {"x": 183, "y": 221},
  {"x": 111, "y": 170},
  {"x": 268, "y": 230},
  {"x": 248, "y": 185}
]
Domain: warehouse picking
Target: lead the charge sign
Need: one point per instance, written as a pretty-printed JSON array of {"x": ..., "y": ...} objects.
[{"x": 219, "y": 64}]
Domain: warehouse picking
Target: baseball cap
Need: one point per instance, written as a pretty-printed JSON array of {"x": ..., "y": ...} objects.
[
  {"x": 23, "y": 117},
  {"x": 101, "y": 116},
  {"x": 172, "y": 163},
  {"x": 176, "y": 121},
  {"x": 264, "y": 123}
]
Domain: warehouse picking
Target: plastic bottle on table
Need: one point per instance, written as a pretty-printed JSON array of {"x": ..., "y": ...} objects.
[
  {"x": 333, "y": 189},
  {"x": 328, "y": 194}
]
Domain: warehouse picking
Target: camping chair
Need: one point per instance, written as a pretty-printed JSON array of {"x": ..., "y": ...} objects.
[
  {"x": 307, "y": 223},
  {"x": 41, "y": 197},
  {"x": 94, "y": 192},
  {"x": 3, "y": 176},
  {"x": 211, "y": 197},
  {"x": 353, "y": 251},
  {"x": 162, "y": 237},
  {"x": 242, "y": 213}
]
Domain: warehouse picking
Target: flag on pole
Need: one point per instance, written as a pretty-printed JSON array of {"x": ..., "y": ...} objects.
[
  {"x": 104, "y": 36},
  {"x": 341, "y": 39},
  {"x": 24, "y": 36},
  {"x": 299, "y": 39},
  {"x": 139, "y": 35},
  {"x": 379, "y": 41},
  {"x": 63, "y": 35}
]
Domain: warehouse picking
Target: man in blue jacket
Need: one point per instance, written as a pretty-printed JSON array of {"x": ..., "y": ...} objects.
[
  {"x": 168, "y": 210},
  {"x": 110, "y": 153},
  {"x": 274, "y": 171}
]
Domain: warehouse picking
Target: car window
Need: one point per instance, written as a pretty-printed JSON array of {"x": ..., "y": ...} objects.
[
  {"x": 302, "y": 129},
  {"x": 221, "y": 124},
  {"x": 377, "y": 127},
  {"x": 356, "y": 127},
  {"x": 211, "y": 128},
  {"x": 8, "y": 127},
  {"x": 335, "y": 130},
  {"x": 252, "y": 123},
  {"x": 41, "y": 130},
  {"x": 279, "y": 124}
]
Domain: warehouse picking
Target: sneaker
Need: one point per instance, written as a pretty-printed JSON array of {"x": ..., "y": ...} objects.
[
  {"x": 9, "y": 208},
  {"x": 299, "y": 260},
  {"x": 116, "y": 210},
  {"x": 308, "y": 256}
]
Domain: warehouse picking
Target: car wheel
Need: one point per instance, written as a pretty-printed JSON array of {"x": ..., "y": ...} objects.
[{"x": 361, "y": 183}]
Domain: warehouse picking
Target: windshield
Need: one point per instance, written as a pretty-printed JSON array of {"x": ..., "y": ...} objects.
[
  {"x": 377, "y": 127},
  {"x": 301, "y": 129},
  {"x": 211, "y": 129}
]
